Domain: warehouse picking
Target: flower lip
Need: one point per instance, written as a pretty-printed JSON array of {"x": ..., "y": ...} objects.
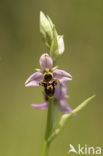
[{"x": 49, "y": 87}]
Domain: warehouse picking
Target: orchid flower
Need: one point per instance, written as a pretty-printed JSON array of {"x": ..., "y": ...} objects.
[
  {"x": 47, "y": 73},
  {"x": 53, "y": 82}
]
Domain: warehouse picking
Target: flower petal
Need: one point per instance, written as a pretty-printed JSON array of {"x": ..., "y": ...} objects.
[
  {"x": 35, "y": 76},
  {"x": 63, "y": 91},
  {"x": 64, "y": 108},
  {"x": 64, "y": 79},
  {"x": 40, "y": 106},
  {"x": 60, "y": 91},
  {"x": 46, "y": 62},
  {"x": 32, "y": 84},
  {"x": 57, "y": 92},
  {"x": 60, "y": 74}
]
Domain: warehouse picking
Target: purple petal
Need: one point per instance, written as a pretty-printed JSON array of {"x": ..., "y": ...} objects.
[
  {"x": 60, "y": 91},
  {"x": 57, "y": 92},
  {"x": 64, "y": 108},
  {"x": 60, "y": 74},
  {"x": 46, "y": 62},
  {"x": 40, "y": 106},
  {"x": 32, "y": 84},
  {"x": 35, "y": 76},
  {"x": 63, "y": 92},
  {"x": 64, "y": 79}
]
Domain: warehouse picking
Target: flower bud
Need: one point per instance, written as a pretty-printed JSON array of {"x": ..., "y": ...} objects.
[
  {"x": 60, "y": 44},
  {"x": 52, "y": 40},
  {"x": 57, "y": 46},
  {"x": 45, "y": 29}
]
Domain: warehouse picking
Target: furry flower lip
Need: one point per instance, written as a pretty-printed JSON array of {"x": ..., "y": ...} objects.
[
  {"x": 47, "y": 73},
  {"x": 49, "y": 87}
]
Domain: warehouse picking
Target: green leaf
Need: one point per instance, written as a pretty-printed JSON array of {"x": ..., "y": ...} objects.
[{"x": 65, "y": 117}]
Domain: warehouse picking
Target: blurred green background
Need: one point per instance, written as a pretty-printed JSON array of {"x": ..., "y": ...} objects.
[{"x": 81, "y": 21}]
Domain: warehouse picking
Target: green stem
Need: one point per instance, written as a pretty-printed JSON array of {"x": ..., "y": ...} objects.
[
  {"x": 45, "y": 148},
  {"x": 50, "y": 125}
]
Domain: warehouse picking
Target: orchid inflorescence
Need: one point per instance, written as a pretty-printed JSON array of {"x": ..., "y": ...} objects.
[{"x": 53, "y": 81}]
